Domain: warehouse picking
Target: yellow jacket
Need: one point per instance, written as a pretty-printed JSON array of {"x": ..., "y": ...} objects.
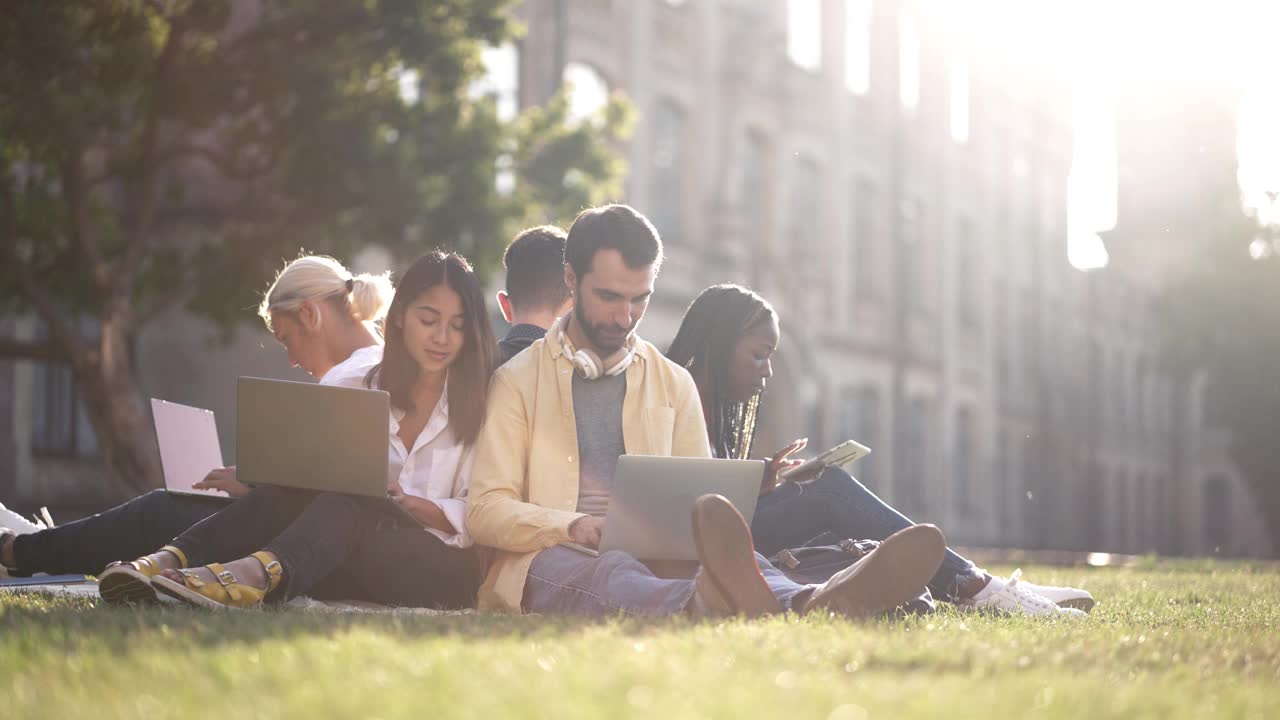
[{"x": 524, "y": 486}]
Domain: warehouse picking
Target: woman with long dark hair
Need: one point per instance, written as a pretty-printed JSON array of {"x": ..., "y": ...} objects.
[
  {"x": 281, "y": 543},
  {"x": 726, "y": 341}
]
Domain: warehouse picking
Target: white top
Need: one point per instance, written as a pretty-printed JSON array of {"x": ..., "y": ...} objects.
[
  {"x": 352, "y": 371},
  {"x": 438, "y": 468}
]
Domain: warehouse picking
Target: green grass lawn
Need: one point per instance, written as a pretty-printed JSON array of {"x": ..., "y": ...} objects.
[{"x": 1167, "y": 639}]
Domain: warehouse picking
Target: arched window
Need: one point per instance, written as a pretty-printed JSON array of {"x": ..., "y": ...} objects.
[
  {"x": 802, "y": 235},
  {"x": 666, "y": 158},
  {"x": 967, "y": 264},
  {"x": 1217, "y": 512},
  {"x": 962, "y": 463},
  {"x": 862, "y": 251},
  {"x": 589, "y": 92},
  {"x": 861, "y": 422},
  {"x": 857, "y": 46},
  {"x": 753, "y": 194},
  {"x": 804, "y": 33},
  {"x": 500, "y": 80},
  {"x": 913, "y": 453}
]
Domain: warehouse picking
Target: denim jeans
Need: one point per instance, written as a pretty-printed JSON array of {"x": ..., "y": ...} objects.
[
  {"x": 335, "y": 546},
  {"x": 836, "y": 502},
  {"x": 563, "y": 581},
  {"x": 124, "y": 532}
]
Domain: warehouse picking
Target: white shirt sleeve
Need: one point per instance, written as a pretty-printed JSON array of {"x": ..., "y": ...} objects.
[{"x": 455, "y": 506}]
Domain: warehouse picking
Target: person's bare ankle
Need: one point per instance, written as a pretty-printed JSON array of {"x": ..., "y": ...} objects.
[
  {"x": 166, "y": 560},
  {"x": 250, "y": 571}
]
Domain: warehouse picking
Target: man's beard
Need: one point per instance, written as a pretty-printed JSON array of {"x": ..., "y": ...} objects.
[{"x": 604, "y": 346}]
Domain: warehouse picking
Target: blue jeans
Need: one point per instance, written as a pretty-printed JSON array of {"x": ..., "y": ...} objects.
[
  {"x": 563, "y": 581},
  {"x": 836, "y": 502}
]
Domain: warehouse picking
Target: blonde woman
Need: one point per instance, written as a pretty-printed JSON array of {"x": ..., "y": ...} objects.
[{"x": 326, "y": 319}]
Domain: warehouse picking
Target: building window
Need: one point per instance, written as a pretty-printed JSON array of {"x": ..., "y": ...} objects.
[
  {"x": 908, "y": 62},
  {"x": 803, "y": 220},
  {"x": 915, "y": 255},
  {"x": 753, "y": 194},
  {"x": 500, "y": 81},
  {"x": 967, "y": 265},
  {"x": 804, "y": 33},
  {"x": 588, "y": 93},
  {"x": 861, "y": 422},
  {"x": 959, "y": 82},
  {"x": 857, "y": 46},
  {"x": 913, "y": 454},
  {"x": 1217, "y": 512},
  {"x": 60, "y": 425},
  {"x": 665, "y": 191},
  {"x": 862, "y": 242},
  {"x": 962, "y": 479}
]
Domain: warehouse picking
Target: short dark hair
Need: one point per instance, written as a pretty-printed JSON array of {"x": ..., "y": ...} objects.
[
  {"x": 535, "y": 268},
  {"x": 612, "y": 227}
]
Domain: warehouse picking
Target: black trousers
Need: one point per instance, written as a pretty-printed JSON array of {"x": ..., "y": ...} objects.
[
  {"x": 124, "y": 532},
  {"x": 338, "y": 547}
]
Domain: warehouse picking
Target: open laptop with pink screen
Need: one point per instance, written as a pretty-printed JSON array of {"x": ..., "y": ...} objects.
[{"x": 189, "y": 449}]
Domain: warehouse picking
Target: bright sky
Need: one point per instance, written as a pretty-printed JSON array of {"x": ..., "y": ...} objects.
[{"x": 1103, "y": 45}]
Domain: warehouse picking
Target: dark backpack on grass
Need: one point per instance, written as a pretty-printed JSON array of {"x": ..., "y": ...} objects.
[{"x": 817, "y": 560}]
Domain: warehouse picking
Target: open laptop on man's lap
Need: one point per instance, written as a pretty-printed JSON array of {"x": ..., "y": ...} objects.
[{"x": 652, "y": 498}]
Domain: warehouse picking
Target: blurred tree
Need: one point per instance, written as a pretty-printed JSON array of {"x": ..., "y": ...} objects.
[
  {"x": 1222, "y": 311},
  {"x": 157, "y": 154}
]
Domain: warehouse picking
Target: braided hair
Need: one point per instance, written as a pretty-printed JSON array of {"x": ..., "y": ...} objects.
[{"x": 712, "y": 325}]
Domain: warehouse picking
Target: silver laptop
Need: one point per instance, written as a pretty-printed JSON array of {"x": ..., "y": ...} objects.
[
  {"x": 316, "y": 437},
  {"x": 189, "y": 449},
  {"x": 651, "y": 500}
]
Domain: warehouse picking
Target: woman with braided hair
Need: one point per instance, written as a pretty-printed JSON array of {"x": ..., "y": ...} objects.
[{"x": 726, "y": 341}]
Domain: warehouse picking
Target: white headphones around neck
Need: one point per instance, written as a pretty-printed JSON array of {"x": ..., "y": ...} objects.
[{"x": 586, "y": 362}]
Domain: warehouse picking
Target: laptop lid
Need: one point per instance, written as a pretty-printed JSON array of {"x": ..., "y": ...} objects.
[
  {"x": 651, "y": 502},
  {"x": 316, "y": 437},
  {"x": 189, "y": 448}
]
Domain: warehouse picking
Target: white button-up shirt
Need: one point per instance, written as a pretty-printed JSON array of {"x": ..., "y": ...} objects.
[{"x": 437, "y": 468}]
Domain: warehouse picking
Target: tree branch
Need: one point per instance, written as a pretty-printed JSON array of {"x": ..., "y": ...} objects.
[
  {"x": 147, "y": 173},
  {"x": 35, "y": 293},
  {"x": 78, "y": 224}
]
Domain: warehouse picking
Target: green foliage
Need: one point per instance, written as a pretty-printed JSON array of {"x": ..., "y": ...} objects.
[
  {"x": 175, "y": 152},
  {"x": 1167, "y": 640}
]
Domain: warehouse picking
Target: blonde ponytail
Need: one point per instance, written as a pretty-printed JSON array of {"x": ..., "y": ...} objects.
[
  {"x": 319, "y": 277},
  {"x": 371, "y": 296}
]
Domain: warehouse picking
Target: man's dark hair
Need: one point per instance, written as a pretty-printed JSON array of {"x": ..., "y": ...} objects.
[
  {"x": 612, "y": 227},
  {"x": 535, "y": 269}
]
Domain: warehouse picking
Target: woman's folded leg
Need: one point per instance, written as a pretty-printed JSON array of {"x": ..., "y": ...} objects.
[
  {"x": 244, "y": 526},
  {"x": 405, "y": 566},
  {"x": 836, "y": 502}
]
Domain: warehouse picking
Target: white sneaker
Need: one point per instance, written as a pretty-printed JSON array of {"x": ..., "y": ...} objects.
[
  {"x": 18, "y": 524},
  {"x": 1012, "y": 596},
  {"x": 1067, "y": 597}
]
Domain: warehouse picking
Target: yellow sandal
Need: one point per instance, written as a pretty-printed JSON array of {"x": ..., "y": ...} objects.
[
  {"x": 229, "y": 593},
  {"x": 130, "y": 582}
]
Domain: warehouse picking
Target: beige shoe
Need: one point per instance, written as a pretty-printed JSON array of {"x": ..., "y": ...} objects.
[
  {"x": 886, "y": 578},
  {"x": 729, "y": 581}
]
